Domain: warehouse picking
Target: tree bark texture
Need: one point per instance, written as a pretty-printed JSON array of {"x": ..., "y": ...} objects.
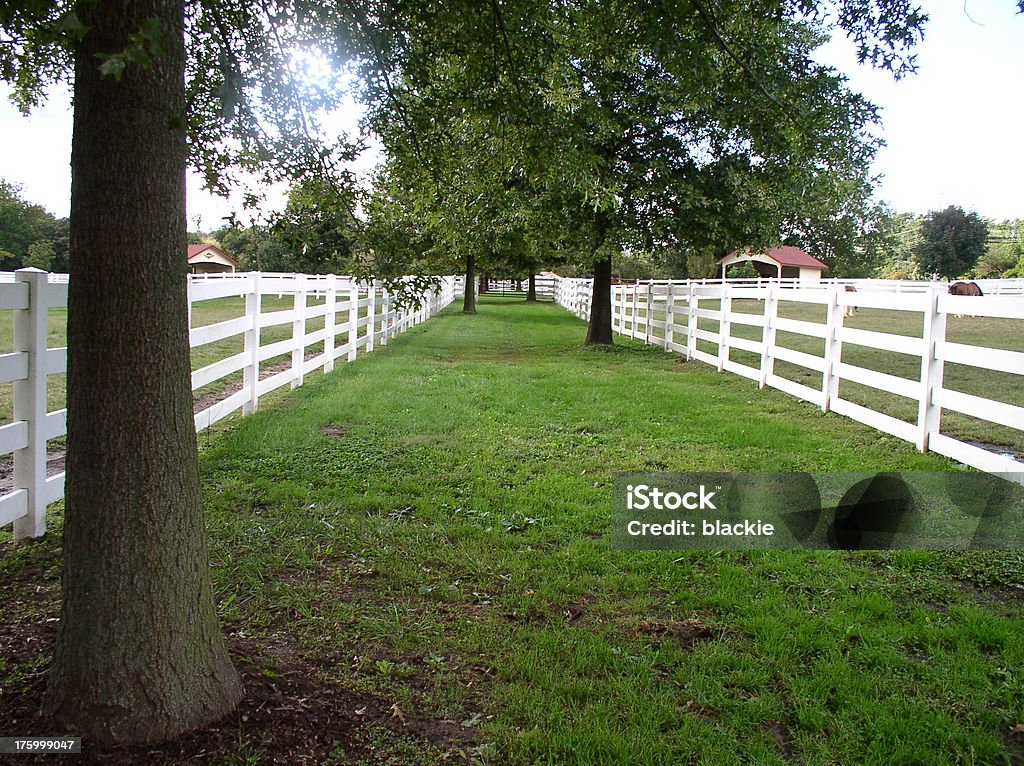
[
  {"x": 599, "y": 331},
  {"x": 531, "y": 290},
  {"x": 140, "y": 656},
  {"x": 469, "y": 298}
]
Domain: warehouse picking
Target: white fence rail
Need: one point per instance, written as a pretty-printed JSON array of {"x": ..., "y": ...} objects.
[
  {"x": 543, "y": 285},
  {"x": 668, "y": 314},
  {"x": 357, "y": 317},
  {"x": 1009, "y": 286}
]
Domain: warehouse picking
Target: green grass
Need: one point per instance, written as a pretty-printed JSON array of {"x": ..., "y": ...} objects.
[{"x": 447, "y": 547}]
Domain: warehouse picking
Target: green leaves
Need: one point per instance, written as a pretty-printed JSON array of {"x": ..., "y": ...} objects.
[
  {"x": 952, "y": 241},
  {"x": 143, "y": 46},
  {"x": 71, "y": 25}
]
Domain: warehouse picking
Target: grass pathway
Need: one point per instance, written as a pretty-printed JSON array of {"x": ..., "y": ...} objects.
[
  {"x": 430, "y": 526},
  {"x": 440, "y": 512}
]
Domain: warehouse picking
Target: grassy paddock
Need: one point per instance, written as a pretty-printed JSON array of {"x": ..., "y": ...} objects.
[
  {"x": 431, "y": 524},
  {"x": 203, "y": 313},
  {"x": 976, "y": 331}
]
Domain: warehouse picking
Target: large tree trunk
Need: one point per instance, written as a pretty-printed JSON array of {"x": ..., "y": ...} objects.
[
  {"x": 469, "y": 297},
  {"x": 600, "y": 328},
  {"x": 140, "y": 657},
  {"x": 531, "y": 290}
]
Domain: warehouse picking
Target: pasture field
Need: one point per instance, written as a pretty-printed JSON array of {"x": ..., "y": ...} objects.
[
  {"x": 429, "y": 527},
  {"x": 203, "y": 313},
  {"x": 976, "y": 331}
]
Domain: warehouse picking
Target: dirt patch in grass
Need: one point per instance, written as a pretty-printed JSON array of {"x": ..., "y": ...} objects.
[
  {"x": 685, "y": 633},
  {"x": 992, "y": 595},
  {"x": 782, "y": 739},
  {"x": 334, "y": 431},
  {"x": 1014, "y": 739}
]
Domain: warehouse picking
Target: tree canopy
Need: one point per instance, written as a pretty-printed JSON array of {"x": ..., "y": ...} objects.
[
  {"x": 29, "y": 235},
  {"x": 952, "y": 241},
  {"x": 640, "y": 127}
]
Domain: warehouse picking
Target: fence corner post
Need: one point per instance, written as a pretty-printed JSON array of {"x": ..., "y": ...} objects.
[{"x": 30, "y": 337}]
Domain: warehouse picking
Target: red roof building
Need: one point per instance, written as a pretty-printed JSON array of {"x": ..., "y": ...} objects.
[
  {"x": 785, "y": 262},
  {"x": 210, "y": 259}
]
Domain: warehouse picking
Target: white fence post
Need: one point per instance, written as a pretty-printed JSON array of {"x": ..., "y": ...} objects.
[
  {"x": 691, "y": 321},
  {"x": 299, "y": 331},
  {"x": 371, "y": 315},
  {"x": 30, "y": 337},
  {"x": 669, "y": 316},
  {"x": 833, "y": 348},
  {"x": 251, "y": 371},
  {"x": 771, "y": 313},
  {"x": 331, "y": 300},
  {"x": 929, "y": 414},
  {"x": 636, "y": 309},
  {"x": 353, "y": 317},
  {"x": 724, "y": 326},
  {"x": 649, "y": 311},
  {"x": 385, "y": 321}
]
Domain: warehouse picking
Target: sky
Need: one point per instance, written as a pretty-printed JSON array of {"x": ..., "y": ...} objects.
[{"x": 952, "y": 131}]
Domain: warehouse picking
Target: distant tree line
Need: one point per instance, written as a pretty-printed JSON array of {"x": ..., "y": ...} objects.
[
  {"x": 319, "y": 234},
  {"x": 29, "y": 235},
  {"x": 951, "y": 243}
]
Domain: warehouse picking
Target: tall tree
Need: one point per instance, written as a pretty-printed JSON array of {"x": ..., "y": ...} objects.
[
  {"x": 648, "y": 126},
  {"x": 952, "y": 241},
  {"x": 140, "y": 656}
]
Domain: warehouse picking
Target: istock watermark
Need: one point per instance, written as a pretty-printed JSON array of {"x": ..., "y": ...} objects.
[{"x": 818, "y": 511}]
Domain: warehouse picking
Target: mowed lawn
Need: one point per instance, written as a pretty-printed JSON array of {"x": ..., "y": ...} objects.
[{"x": 431, "y": 524}]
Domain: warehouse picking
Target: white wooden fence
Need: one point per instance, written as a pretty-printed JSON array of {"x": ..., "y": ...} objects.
[
  {"x": 667, "y": 313},
  {"x": 357, "y": 317}
]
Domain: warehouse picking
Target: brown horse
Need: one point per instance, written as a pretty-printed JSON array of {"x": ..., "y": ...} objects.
[{"x": 965, "y": 288}]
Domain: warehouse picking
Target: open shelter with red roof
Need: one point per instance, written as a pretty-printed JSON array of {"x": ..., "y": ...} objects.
[
  {"x": 210, "y": 259},
  {"x": 785, "y": 262}
]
